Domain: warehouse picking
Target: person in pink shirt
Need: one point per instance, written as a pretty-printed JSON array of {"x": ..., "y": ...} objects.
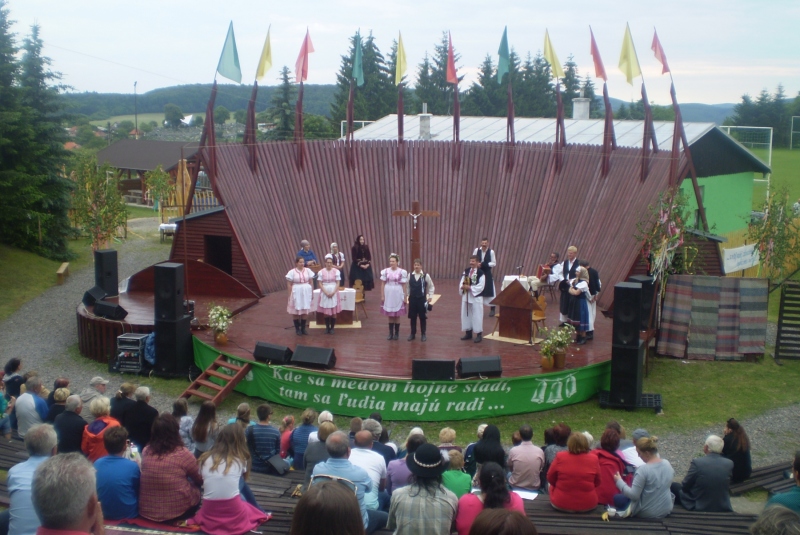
[
  {"x": 494, "y": 495},
  {"x": 525, "y": 462}
]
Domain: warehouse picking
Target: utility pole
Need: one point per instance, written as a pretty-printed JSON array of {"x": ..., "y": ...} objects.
[{"x": 135, "y": 113}]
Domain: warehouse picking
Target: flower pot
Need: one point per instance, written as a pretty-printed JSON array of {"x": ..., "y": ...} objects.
[
  {"x": 220, "y": 338},
  {"x": 547, "y": 363},
  {"x": 560, "y": 358}
]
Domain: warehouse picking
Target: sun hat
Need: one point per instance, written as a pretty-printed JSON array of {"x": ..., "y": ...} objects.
[
  {"x": 97, "y": 380},
  {"x": 427, "y": 461}
]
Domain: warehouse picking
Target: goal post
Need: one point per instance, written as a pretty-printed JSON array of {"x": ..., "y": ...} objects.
[{"x": 758, "y": 140}]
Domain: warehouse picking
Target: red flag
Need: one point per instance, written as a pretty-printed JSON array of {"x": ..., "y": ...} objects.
[
  {"x": 658, "y": 50},
  {"x": 301, "y": 66},
  {"x": 452, "y": 78},
  {"x": 599, "y": 69}
]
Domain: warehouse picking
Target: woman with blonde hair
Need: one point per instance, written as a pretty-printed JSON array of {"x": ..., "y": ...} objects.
[
  {"x": 92, "y": 443},
  {"x": 649, "y": 494},
  {"x": 298, "y": 283},
  {"x": 299, "y": 438},
  {"x": 329, "y": 302},
  {"x": 393, "y": 301},
  {"x": 242, "y": 416},
  {"x": 579, "y": 304},
  {"x": 286, "y": 428}
]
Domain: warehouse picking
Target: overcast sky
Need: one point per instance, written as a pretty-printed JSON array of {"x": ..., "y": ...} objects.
[{"x": 717, "y": 49}]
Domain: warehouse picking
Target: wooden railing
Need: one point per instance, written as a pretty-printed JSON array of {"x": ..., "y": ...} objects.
[{"x": 203, "y": 200}]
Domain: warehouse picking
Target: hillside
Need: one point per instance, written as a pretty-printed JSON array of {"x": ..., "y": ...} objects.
[{"x": 695, "y": 113}]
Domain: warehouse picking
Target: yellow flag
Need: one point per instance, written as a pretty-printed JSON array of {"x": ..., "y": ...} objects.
[
  {"x": 628, "y": 62},
  {"x": 402, "y": 65},
  {"x": 550, "y": 56},
  {"x": 265, "y": 63}
]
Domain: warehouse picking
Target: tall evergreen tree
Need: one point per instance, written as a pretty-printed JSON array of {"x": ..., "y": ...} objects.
[
  {"x": 483, "y": 98},
  {"x": 572, "y": 85},
  {"x": 432, "y": 72},
  {"x": 536, "y": 93},
  {"x": 281, "y": 110}
]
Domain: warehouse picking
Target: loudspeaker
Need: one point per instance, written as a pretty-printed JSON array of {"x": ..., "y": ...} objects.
[
  {"x": 112, "y": 311},
  {"x": 627, "y": 314},
  {"x": 93, "y": 295},
  {"x": 479, "y": 367},
  {"x": 168, "y": 291},
  {"x": 174, "y": 353},
  {"x": 314, "y": 357},
  {"x": 627, "y": 363},
  {"x": 105, "y": 271},
  {"x": 265, "y": 352},
  {"x": 648, "y": 289},
  {"x": 433, "y": 370}
]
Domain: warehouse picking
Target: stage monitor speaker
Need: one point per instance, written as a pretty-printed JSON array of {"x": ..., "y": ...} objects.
[
  {"x": 112, "y": 311},
  {"x": 93, "y": 295},
  {"x": 627, "y": 314},
  {"x": 168, "y": 291},
  {"x": 105, "y": 271},
  {"x": 479, "y": 367},
  {"x": 627, "y": 363},
  {"x": 648, "y": 289},
  {"x": 433, "y": 370},
  {"x": 174, "y": 353},
  {"x": 314, "y": 357},
  {"x": 276, "y": 354}
]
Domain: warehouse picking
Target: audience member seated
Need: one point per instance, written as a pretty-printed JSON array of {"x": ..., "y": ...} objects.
[
  {"x": 610, "y": 463},
  {"x": 60, "y": 396},
  {"x": 61, "y": 382},
  {"x": 122, "y": 400},
  {"x": 340, "y": 468},
  {"x": 117, "y": 477},
  {"x": 65, "y": 496},
  {"x": 631, "y": 454},
  {"x": 223, "y": 511},
  {"x": 398, "y": 474},
  {"x": 40, "y": 441},
  {"x": 205, "y": 428},
  {"x": 737, "y": 449},
  {"x": 790, "y": 498},
  {"x": 455, "y": 479},
  {"x": 13, "y": 378},
  {"x": 355, "y": 427},
  {"x": 516, "y": 439},
  {"x": 649, "y": 494},
  {"x": 242, "y": 416},
  {"x": 180, "y": 410},
  {"x": 318, "y": 451},
  {"x": 561, "y": 433},
  {"x": 469, "y": 453},
  {"x": 525, "y": 462},
  {"x": 324, "y": 416},
  {"x": 171, "y": 480},
  {"x": 6, "y": 408},
  {"x": 363, "y": 456},
  {"x": 138, "y": 418},
  {"x": 624, "y": 442},
  {"x": 776, "y": 520},
  {"x": 494, "y": 495},
  {"x": 574, "y": 477},
  {"x": 69, "y": 426},
  {"x": 502, "y": 522},
  {"x": 286, "y": 428},
  {"x": 489, "y": 449},
  {"x": 96, "y": 389},
  {"x": 332, "y": 501},
  {"x": 92, "y": 444},
  {"x": 299, "y": 438},
  {"x": 706, "y": 486},
  {"x": 31, "y": 409},
  {"x": 447, "y": 437},
  {"x": 375, "y": 427},
  {"x": 263, "y": 441},
  {"x": 424, "y": 506}
]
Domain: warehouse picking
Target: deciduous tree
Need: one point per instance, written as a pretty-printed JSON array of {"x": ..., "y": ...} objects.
[{"x": 173, "y": 115}]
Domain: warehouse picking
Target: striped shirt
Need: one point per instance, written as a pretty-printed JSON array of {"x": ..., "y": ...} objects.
[{"x": 264, "y": 441}]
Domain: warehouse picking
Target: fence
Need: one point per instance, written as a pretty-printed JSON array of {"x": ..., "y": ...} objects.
[{"x": 203, "y": 200}]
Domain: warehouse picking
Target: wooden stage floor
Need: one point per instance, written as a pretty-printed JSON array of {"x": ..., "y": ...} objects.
[{"x": 366, "y": 351}]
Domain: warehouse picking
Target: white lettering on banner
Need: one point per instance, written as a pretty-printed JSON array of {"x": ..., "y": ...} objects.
[
  {"x": 739, "y": 258},
  {"x": 553, "y": 390}
]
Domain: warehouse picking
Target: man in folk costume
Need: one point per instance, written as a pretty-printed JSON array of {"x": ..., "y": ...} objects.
[
  {"x": 472, "y": 286},
  {"x": 488, "y": 260},
  {"x": 567, "y": 274},
  {"x": 419, "y": 292},
  {"x": 594, "y": 289}
]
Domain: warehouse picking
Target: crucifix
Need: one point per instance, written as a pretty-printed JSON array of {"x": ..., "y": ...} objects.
[{"x": 415, "y": 215}]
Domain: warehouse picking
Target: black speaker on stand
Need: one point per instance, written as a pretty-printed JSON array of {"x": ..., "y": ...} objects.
[
  {"x": 109, "y": 310},
  {"x": 433, "y": 370},
  {"x": 314, "y": 357},
  {"x": 93, "y": 295},
  {"x": 273, "y": 353},
  {"x": 174, "y": 352},
  {"x": 648, "y": 292},
  {"x": 479, "y": 367},
  {"x": 105, "y": 271},
  {"x": 168, "y": 290}
]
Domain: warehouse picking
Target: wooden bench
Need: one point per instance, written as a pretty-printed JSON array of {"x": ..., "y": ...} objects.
[
  {"x": 62, "y": 273},
  {"x": 768, "y": 477}
]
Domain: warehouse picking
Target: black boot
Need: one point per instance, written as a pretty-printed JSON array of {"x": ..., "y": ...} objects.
[
  {"x": 333, "y": 322},
  {"x": 303, "y": 324},
  {"x": 467, "y": 335},
  {"x": 396, "y": 331},
  {"x": 297, "y": 327},
  {"x": 581, "y": 340},
  {"x": 423, "y": 325},
  {"x": 391, "y": 332},
  {"x": 589, "y": 335},
  {"x": 327, "y": 325},
  {"x": 478, "y": 338}
]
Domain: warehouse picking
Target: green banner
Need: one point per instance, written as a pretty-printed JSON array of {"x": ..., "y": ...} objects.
[{"x": 405, "y": 399}]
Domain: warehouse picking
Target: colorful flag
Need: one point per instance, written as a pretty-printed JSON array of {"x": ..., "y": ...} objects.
[
  {"x": 659, "y": 52},
  {"x": 452, "y": 78},
  {"x": 358, "y": 70},
  {"x": 504, "y": 60},
  {"x": 550, "y": 56},
  {"x": 228, "y": 65},
  {"x": 402, "y": 64},
  {"x": 301, "y": 66},
  {"x": 599, "y": 68},
  {"x": 265, "y": 63},
  {"x": 628, "y": 62}
]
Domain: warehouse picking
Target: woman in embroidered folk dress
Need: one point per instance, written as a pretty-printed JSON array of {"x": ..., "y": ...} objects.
[
  {"x": 298, "y": 282},
  {"x": 329, "y": 303},
  {"x": 338, "y": 261},
  {"x": 578, "y": 304},
  {"x": 361, "y": 268},
  {"x": 393, "y": 303}
]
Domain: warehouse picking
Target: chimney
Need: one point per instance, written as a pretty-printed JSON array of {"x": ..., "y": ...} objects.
[
  {"x": 424, "y": 122},
  {"x": 580, "y": 107}
]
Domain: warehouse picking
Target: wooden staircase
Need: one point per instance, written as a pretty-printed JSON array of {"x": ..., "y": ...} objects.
[
  {"x": 787, "y": 346},
  {"x": 225, "y": 372}
]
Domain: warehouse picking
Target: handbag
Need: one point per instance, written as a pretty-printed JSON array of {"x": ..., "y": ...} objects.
[{"x": 278, "y": 464}]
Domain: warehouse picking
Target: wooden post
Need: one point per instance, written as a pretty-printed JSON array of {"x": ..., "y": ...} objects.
[{"x": 415, "y": 214}]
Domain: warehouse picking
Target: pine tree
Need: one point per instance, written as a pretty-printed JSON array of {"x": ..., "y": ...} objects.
[
  {"x": 436, "y": 92},
  {"x": 281, "y": 110},
  {"x": 484, "y": 98},
  {"x": 572, "y": 85},
  {"x": 536, "y": 92}
]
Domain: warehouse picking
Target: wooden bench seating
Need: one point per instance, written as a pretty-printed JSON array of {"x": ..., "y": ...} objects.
[
  {"x": 768, "y": 477},
  {"x": 62, "y": 273}
]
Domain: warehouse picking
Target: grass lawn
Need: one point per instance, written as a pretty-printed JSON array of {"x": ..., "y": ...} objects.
[
  {"x": 785, "y": 172},
  {"x": 135, "y": 211}
]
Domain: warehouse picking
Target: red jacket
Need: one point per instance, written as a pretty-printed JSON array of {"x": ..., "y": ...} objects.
[
  {"x": 610, "y": 464},
  {"x": 573, "y": 479},
  {"x": 92, "y": 442}
]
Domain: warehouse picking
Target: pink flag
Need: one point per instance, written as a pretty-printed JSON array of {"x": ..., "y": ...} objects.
[
  {"x": 452, "y": 78},
  {"x": 301, "y": 67},
  {"x": 599, "y": 69},
  {"x": 658, "y": 50}
]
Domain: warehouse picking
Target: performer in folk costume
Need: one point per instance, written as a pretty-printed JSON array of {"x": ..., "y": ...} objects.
[
  {"x": 419, "y": 292},
  {"x": 298, "y": 282},
  {"x": 567, "y": 274},
  {"x": 329, "y": 302},
  {"x": 472, "y": 284},
  {"x": 594, "y": 289},
  {"x": 554, "y": 276},
  {"x": 361, "y": 267},
  {"x": 488, "y": 260},
  {"x": 338, "y": 261},
  {"x": 393, "y": 302},
  {"x": 579, "y": 303}
]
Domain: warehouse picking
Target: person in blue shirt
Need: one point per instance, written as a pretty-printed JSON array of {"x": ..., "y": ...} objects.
[
  {"x": 117, "y": 477},
  {"x": 40, "y": 441},
  {"x": 790, "y": 498},
  {"x": 307, "y": 254},
  {"x": 263, "y": 440}
]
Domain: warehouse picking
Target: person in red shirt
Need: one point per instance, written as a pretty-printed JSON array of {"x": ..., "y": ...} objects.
[
  {"x": 610, "y": 463},
  {"x": 574, "y": 477}
]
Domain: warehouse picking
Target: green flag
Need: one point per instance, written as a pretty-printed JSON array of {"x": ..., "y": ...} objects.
[
  {"x": 358, "y": 70},
  {"x": 228, "y": 65},
  {"x": 502, "y": 63}
]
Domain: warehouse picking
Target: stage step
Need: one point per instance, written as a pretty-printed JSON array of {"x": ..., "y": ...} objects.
[{"x": 217, "y": 369}]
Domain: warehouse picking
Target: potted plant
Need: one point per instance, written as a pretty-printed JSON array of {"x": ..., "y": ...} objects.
[
  {"x": 219, "y": 320},
  {"x": 554, "y": 346}
]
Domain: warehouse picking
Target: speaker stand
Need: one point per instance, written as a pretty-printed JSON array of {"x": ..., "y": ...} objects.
[{"x": 646, "y": 401}]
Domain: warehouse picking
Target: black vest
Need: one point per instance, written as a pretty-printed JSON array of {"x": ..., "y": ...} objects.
[
  {"x": 570, "y": 274},
  {"x": 416, "y": 288}
]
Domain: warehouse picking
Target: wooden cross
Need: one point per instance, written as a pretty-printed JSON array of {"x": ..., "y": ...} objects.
[{"x": 415, "y": 214}]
